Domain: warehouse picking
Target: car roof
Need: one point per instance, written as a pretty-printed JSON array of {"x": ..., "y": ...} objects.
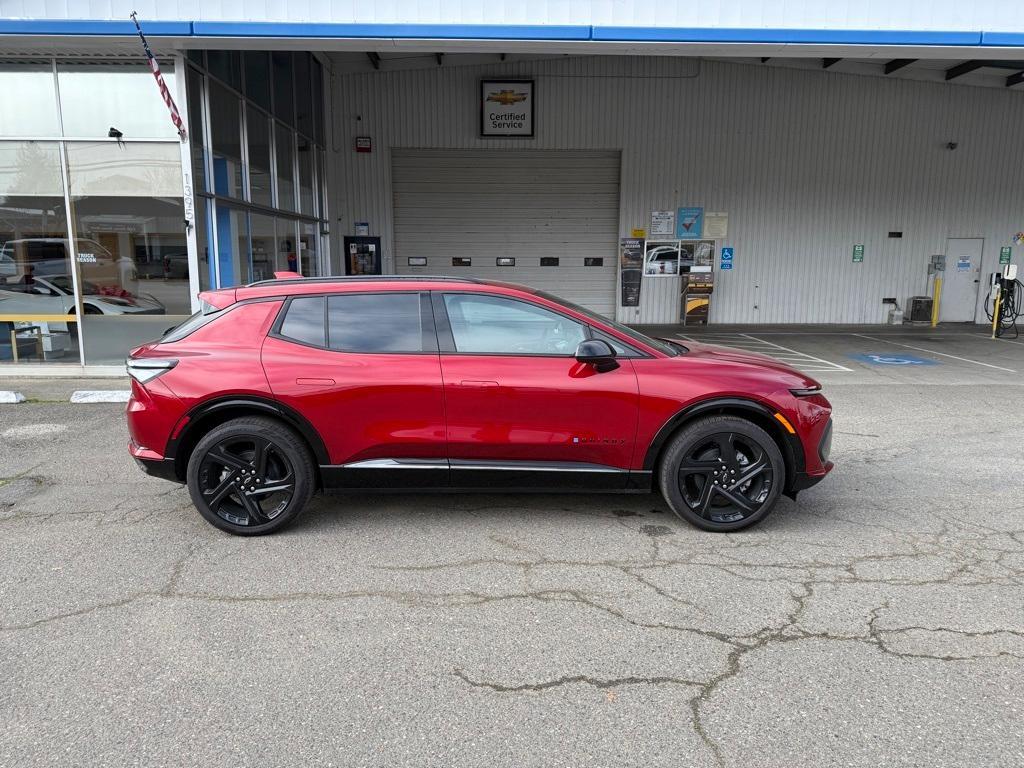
[{"x": 305, "y": 285}]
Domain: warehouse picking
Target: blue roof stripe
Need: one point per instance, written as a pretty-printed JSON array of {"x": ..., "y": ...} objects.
[
  {"x": 242, "y": 29},
  {"x": 91, "y": 27},
  {"x": 1008, "y": 39},
  {"x": 407, "y": 31},
  {"x": 776, "y": 36}
]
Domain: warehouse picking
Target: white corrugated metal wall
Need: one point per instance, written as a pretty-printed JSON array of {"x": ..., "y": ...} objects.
[{"x": 806, "y": 163}]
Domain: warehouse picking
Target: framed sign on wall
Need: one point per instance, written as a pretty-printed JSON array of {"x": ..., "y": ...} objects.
[{"x": 507, "y": 108}]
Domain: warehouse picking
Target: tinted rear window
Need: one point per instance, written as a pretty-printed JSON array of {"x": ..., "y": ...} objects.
[
  {"x": 375, "y": 322},
  {"x": 304, "y": 321}
]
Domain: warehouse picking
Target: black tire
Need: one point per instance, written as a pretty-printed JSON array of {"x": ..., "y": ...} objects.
[
  {"x": 250, "y": 476},
  {"x": 722, "y": 473}
]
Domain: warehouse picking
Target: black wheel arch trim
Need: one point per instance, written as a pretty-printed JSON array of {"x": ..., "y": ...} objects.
[
  {"x": 250, "y": 403},
  {"x": 792, "y": 449}
]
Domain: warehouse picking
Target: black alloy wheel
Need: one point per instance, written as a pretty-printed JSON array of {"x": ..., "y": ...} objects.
[
  {"x": 250, "y": 476},
  {"x": 246, "y": 480},
  {"x": 722, "y": 473}
]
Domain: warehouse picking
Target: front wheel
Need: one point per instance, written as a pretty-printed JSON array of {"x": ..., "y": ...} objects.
[
  {"x": 722, "y": 473},
  {"x": 250, "y": 476}
]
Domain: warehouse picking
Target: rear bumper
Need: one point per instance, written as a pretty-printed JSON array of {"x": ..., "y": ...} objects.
[{"x": 153, "y": 463}]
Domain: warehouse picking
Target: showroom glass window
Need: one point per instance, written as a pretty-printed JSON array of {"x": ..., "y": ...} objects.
[
  {"x": 262, "y": 194},
  {"x": 86, "y": 282}
]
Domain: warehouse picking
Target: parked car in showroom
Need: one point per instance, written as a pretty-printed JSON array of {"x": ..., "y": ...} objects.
[
  {"x": 54, "y": 295},
  {"x": 281, "y": 388}
]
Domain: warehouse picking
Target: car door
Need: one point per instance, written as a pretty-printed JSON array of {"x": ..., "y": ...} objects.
[
  {"x": 363, "y": 368},
  {"x": 521, "y": 411}
]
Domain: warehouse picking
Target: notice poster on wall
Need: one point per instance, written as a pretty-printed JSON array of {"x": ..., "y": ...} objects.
[
  {"x": 506, "y": 108},
  {"x": 631, "y": 261},
  {"x": 689, "y": 223},
  {"x": 663, "y": 223},
  {"x": 716, "y": 225}
]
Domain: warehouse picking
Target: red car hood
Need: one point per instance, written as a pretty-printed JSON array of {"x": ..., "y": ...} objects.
[{"x": 731, "y": 355}]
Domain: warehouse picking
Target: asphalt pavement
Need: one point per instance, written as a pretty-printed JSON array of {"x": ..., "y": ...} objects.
[{"x": 876, "y": 621}]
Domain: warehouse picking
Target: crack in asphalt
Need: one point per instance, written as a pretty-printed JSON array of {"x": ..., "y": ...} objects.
[{"x": 604, "y": 684}]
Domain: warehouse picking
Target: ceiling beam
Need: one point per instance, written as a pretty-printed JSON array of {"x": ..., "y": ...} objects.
[
  {"x": 826, "y": 63},
  {"x": 1015, "y": 79},
  {"x": 895, "y": 64},
  {"x": 374, "y": 58},
  {"x": 962, "y": 69}
]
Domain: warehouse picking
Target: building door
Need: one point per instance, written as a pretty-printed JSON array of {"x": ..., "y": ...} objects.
[
  {"x": 961, "y": 280},
  {"x": 544, "y": 218}
]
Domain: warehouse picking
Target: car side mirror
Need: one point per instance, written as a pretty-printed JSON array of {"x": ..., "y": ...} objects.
[{"x": 597, "y": 353}]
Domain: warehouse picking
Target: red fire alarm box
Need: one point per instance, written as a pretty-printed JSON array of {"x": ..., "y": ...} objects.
[{"x": 364, "y": 144}]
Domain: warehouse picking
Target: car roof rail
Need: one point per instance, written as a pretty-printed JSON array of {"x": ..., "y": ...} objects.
[{"x": 367, "y": 279}]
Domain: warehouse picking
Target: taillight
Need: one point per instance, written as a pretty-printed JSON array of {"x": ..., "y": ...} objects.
[{"x": 144, "y": 369}]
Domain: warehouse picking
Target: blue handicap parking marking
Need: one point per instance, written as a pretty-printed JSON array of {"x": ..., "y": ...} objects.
[{"x": 893, "y": 358}]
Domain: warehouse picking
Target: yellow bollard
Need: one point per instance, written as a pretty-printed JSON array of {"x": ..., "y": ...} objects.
[{"x": 936, "y": 293}]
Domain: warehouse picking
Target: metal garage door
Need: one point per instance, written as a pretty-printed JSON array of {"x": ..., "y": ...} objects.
[{"x": 530, "y": 205}]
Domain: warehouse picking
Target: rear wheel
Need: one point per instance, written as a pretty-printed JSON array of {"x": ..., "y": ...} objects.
[
  {"x": 722, "y": 473},
  {"x": 250, "y": 476}
]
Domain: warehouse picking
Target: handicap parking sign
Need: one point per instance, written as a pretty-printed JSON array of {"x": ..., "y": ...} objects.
[
  {"x": 893, "y": 358},
  {"x": 726, "y": 265},
  {"x": 727, "y": 254}
]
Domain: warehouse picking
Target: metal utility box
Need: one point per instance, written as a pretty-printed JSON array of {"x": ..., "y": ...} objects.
[{"x": 919, "y": 309}]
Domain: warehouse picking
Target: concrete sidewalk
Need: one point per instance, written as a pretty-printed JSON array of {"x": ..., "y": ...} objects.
[{"x": 43, "y": 390}]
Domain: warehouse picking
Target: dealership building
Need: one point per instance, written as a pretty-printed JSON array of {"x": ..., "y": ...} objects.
[{"x": 728, "y": 163}]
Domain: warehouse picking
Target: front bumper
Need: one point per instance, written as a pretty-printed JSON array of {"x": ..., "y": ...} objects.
[{"x": 802, "y": 479}]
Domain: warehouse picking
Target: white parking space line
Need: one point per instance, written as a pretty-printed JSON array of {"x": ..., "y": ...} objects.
[
  {"x": 933, "y": 352},
  {"x": 1008, "y": 341},
  {"x": 744, "y": 341},
  {"x": 100, "y": 396}
]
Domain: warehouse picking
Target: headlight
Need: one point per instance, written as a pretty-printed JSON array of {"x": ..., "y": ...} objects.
[{"x": 807, "y": 392}]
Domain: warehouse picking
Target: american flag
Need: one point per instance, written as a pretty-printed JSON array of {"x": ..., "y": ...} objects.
[{"x": 164, "y": 91}]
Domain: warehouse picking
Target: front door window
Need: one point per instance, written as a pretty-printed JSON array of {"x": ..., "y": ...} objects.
[{"x": 494, "y": 325}]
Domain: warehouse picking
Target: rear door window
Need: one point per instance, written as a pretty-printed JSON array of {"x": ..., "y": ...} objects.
[{"x": 379, "y": 322}]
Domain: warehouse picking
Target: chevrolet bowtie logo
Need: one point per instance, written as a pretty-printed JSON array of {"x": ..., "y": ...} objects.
[{"x": 506, "y": 97}]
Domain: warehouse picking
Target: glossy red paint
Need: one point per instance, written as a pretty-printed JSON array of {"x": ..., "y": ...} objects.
[
  {"x": 457, "y": 407},
  {"x": 539, "y": 408},
  {"x": 363, "y": 406}
]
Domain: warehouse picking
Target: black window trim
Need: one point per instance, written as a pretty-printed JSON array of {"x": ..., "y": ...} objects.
[
  {"x": 429, "y": 332},
  {"x": 446, "y": 340}
]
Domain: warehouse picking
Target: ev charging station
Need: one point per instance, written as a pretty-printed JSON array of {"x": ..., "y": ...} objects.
[{"x": 1007, "y": 301}]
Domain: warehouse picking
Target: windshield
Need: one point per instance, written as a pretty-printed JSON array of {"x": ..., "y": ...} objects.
[{"x": 665, "y": 348}]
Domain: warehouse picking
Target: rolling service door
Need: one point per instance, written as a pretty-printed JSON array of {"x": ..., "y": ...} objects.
[{"x": 555, "y": 212}]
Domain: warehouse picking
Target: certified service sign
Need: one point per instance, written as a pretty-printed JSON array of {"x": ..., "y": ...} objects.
[{"x": 506, "y": 108}]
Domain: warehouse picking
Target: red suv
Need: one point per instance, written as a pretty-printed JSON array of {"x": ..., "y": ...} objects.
[{"x": 281, "y": 388}]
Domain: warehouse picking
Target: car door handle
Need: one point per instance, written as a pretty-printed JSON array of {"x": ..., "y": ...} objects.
[
  {"x": 470, "y": 383},
  {"x": 315, "y": 382}
]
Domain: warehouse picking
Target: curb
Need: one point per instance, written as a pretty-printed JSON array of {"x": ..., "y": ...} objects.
[
  {"x": 7, "y": 396},
  {"x": 100, "y": 396}
]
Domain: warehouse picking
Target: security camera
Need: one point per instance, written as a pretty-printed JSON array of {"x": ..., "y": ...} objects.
[{"x": 952, "y": 145}]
